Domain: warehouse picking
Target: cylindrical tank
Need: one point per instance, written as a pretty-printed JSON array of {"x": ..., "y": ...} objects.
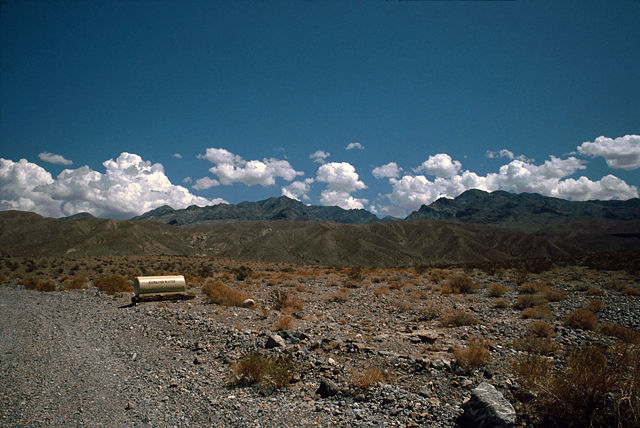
[{"x": 159, "y": 285}]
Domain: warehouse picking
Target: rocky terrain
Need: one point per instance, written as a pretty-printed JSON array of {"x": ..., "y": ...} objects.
[{"x": 350, "y": 347}]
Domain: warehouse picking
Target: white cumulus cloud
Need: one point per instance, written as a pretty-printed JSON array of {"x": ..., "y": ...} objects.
[
  {"x": 18, "y": 181},
  {"x": 354, "y": 145},
  {"x": 341, "y": 199},
  {"x": 505, "y": 153},
  {"x": 319, "y": 156},
  {"x": 129, "y": 186},
  {"x": 342, "y": 179},
  {"x": 502, "y": 153},
  {"x": 177, "y": 155},
  {"x": 619, "y": 153},
  {"x": 340, "y": 176},
  {"x": 205, "y": 183},
  {"x": 231, "y": 168},
  {"x": 54, "y": 158},
  {"x": 551, "y": 178},
  {"x": 298, "y": 189},
  {"x": 440, "y": 165},
  {"x": 608, "y": 187},
  {"x": 389, "y": 170}
]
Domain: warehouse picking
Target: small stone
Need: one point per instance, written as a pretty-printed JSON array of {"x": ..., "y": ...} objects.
[
  {"x": 197, "y": 360},
  {"x": 248, "y": 303},
  {"x": 327, "y": 388},
  {"x": 275, "y": 341},
  {"x": 425, "y": 391},
  {"x": 129, "y": 406}
]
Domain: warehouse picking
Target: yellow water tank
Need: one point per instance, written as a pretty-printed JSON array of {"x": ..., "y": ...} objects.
[{"x": 159, "y": 285}]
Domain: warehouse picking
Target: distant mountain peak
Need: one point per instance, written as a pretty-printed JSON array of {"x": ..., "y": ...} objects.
[
  {"x": 524, "y": 211},
  {"x": 78, "y": 216},
  {"x": 275, "y": 208}
]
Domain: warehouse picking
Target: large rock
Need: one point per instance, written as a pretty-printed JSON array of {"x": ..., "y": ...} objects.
[
  {"x": 424, "y": 336},
  {"x": 275, "y": 341},
  {"x": 327, "y": 389},
  {"x": 487, "y": 408}
]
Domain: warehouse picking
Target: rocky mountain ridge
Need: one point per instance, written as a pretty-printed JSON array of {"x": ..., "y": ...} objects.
[
  {"x": 281, "y": 208},
  {"x": 524, "y": 211}
]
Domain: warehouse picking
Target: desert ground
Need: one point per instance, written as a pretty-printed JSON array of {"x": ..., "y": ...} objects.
[{"x": 316, "y": 345}]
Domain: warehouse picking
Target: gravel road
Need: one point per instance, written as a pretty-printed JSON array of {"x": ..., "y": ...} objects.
[{"x": 77, "y": 358}]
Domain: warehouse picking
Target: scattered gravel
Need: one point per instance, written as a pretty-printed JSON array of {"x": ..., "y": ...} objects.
[{"x": 81, "y": 358}]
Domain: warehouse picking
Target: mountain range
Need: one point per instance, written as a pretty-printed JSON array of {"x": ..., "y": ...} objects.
[
  {"x": 525, "y": 211},
  {"x": 282, "y": 208},
  {"x": 475, "y": 227}
]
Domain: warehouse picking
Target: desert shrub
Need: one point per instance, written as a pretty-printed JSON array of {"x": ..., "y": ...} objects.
[
  {"x": 242, "y": 272},
  {"x": 429, "y": 311},
  {"x": 286, "y": 302},
  {"x": 460, "y": 284},
  {"x": 536, "y": 345},
  {"x": 78, "y": 282},
  {"x": 365, "y": 379},
  {"x": 528, "y": 301},
  {"x": 265, "y": 370},
  {"x": 112, "y": 284},
  {"x": 530, "y": 369},
  {"x": 352, "y": 284},
  {"x": 595, "y": 305},
  {"x": 457, "y": 318},
  {"x": 581, "y": 286},
  {"x": 355, "y": 274},
  {"x": 582, "y": 318},
  {"x": 556, "y": 295},
  {"x": 203, "y": 271},
  {"x": 539, "y": 312},
  {"x": 497, "y": 290},
  {"x": 339, "y": 296},
  {"x": 529, "y": 288},
  {"x": 476, "y": 354},
  {"x": 500, "y": 304},
  {"x": 625, "y": 334},
  {"x": 520, "y": 276},
  {"x": 421, "y": 269},
  {"x": 540, "y": 329},
  {"x": 47, "y": 285},
  {"x": 617, "y": 285},
  {"x": 594, "y": 292},
  {"x": 631, "y": 291},
  {"x": 381, "y": 289},
  {"x": 284, "y": 322},
  {"x": 223, "y": 295},
  {"x": 301, "y": 288},
  {"x": 33, "y": 283},
  {"x": 596, "y": 389},
  {"x": 396, "y": 284},
  {"x": 437, "y": 275}
]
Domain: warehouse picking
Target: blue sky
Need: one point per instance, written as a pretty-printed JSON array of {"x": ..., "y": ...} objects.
[{"x": 180, "y": 103}]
